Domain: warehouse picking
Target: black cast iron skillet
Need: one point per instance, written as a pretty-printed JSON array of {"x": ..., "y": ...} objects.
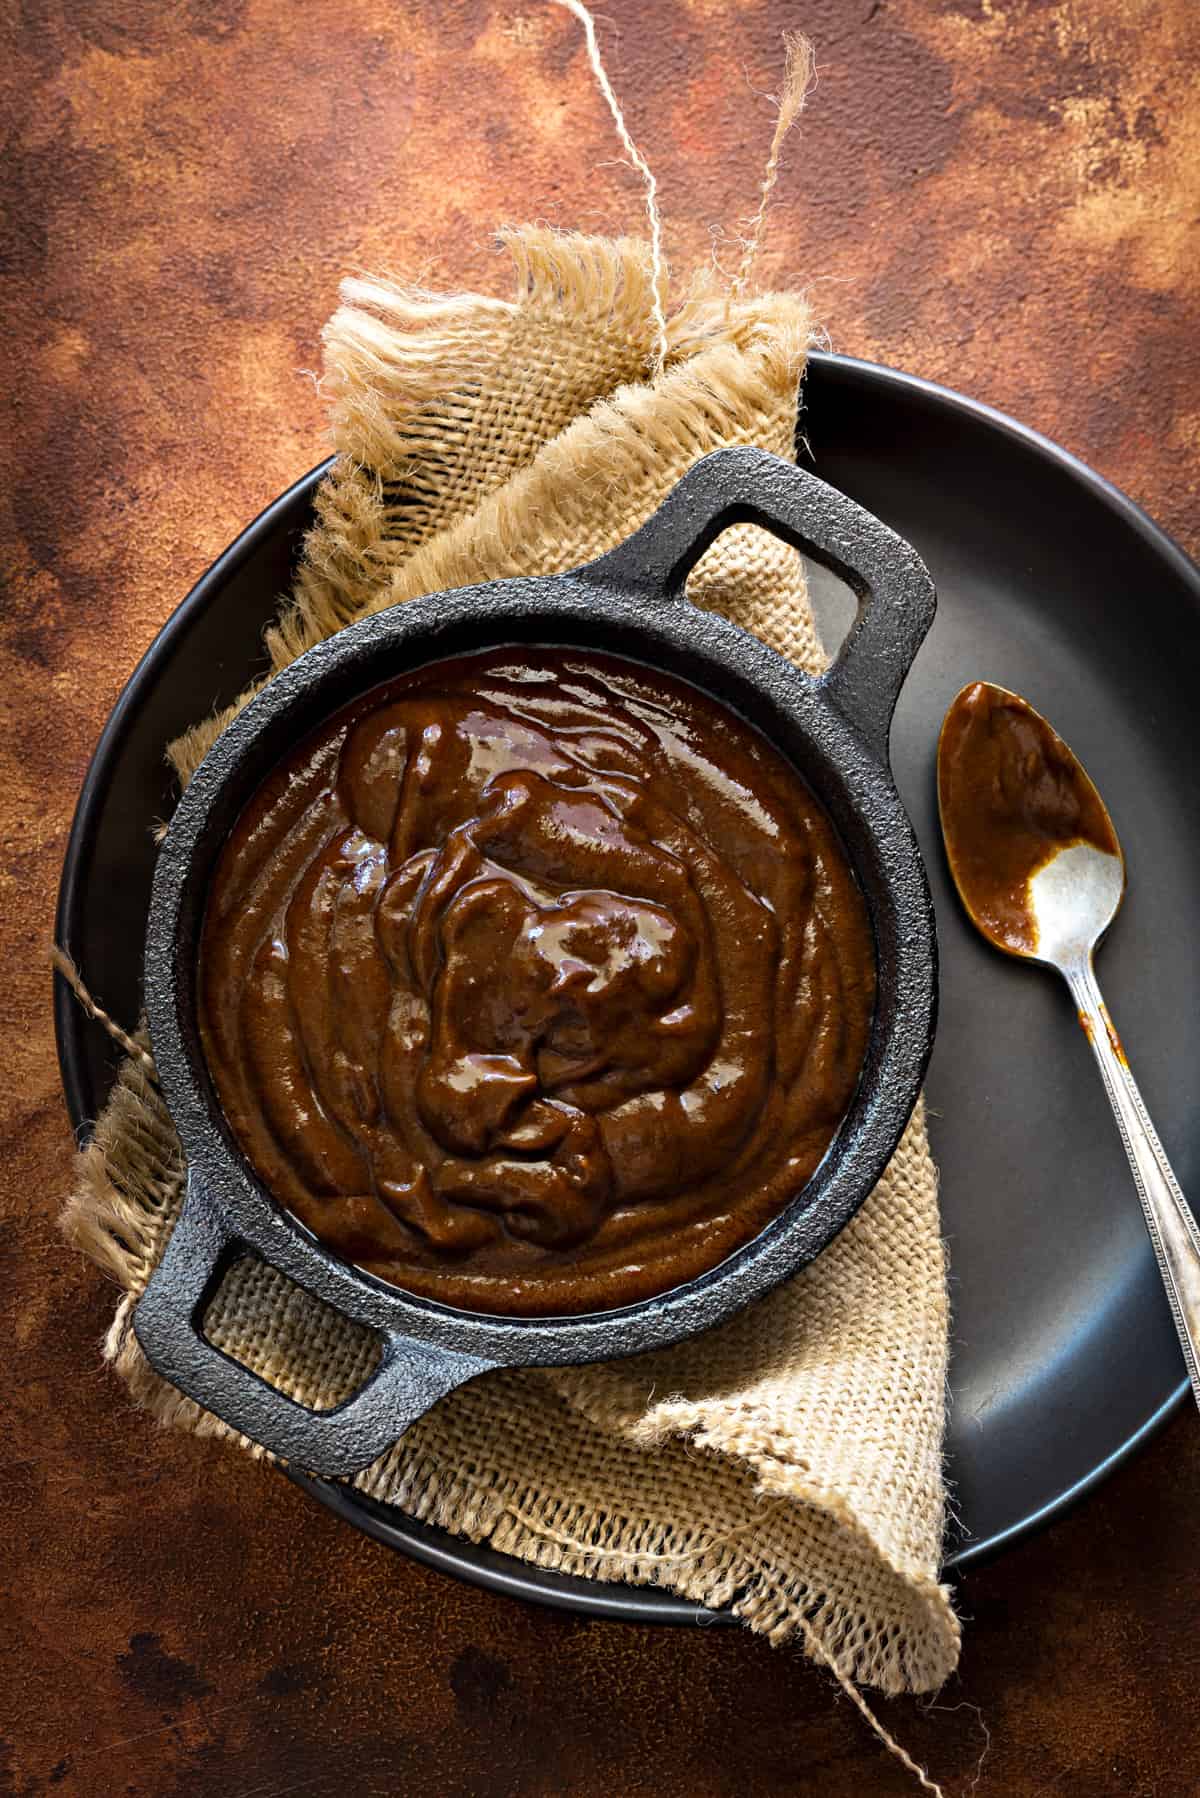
[{"x": 630, "y": 603}]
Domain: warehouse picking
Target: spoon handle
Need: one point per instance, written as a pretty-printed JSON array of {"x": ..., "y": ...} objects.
[{"x": 1173, "y": 1230}]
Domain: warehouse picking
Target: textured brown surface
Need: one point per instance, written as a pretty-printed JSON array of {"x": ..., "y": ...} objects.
[{"x": 1002, "y": 197}]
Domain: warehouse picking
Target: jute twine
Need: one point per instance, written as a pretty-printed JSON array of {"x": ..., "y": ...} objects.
[{"x": 789, "y": 1464}]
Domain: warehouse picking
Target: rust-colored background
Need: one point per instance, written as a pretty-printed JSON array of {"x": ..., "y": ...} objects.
[{"x": 1001, "y": 194}]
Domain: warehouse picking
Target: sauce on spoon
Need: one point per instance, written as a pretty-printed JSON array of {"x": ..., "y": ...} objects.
[{"x": 1011, "y": 795}]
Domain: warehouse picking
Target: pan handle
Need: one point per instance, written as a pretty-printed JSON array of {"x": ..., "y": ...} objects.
[
  {"x": 896, "y": 598},
  {"x": 410, "y": 1377}
]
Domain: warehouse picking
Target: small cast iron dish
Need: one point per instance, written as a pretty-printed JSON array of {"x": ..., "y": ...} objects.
[{"x": 630, "y": 603}]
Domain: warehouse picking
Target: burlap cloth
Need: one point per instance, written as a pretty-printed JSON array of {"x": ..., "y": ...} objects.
[{"x": 788, "y": 1464}]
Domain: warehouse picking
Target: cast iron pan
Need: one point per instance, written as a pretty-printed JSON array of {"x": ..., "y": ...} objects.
[
  {"x": 630, "y": 603},
  {"x": 1050, "y": 581}
]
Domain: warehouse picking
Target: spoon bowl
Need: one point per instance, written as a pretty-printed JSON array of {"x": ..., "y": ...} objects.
[{"x": 1031, "y": 847}]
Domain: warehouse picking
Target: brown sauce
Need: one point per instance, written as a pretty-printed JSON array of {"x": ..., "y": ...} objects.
[
  {"x": 1011, "y": 795},
  {"x": 535, "y": 983}
]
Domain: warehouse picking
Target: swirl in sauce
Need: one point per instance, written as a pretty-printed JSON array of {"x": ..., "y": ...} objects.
[{"x": 534, "y": 983}]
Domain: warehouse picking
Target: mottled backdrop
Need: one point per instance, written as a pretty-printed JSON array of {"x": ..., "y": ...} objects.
[{"x": 1002, "y": 196}]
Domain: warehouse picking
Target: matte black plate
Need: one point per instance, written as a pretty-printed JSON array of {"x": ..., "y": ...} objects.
[{"x": 1052, "y": 583}]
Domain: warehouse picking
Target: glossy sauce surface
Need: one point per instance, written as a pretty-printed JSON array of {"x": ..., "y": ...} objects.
[
  {"x": 535, "y": 982},
  {"x": 1011, "y": 795}
]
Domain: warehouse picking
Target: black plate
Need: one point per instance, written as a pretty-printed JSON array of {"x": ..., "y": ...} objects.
[{"x": 1052, "y": 583}]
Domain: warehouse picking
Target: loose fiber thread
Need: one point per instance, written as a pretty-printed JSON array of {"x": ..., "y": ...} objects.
[
  {"x": 798, "y": 77},
  {"x": 817, "y": 1649},
  {"x": 63, "y": 964},
  {"x": 798, "y": 81},
  {"x": 658, "y": 266},
  {"x": 819, "y": 1652},
  {"x": 635, "y": 1557}
]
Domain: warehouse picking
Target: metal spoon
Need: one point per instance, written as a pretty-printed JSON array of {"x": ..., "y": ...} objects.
[{"x": 1039, "y": 869}]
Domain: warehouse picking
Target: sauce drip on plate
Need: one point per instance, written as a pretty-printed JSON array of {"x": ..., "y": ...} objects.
[
  {"x": 1011, "y": 795},
  {"x": 534, "y": 982}
]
